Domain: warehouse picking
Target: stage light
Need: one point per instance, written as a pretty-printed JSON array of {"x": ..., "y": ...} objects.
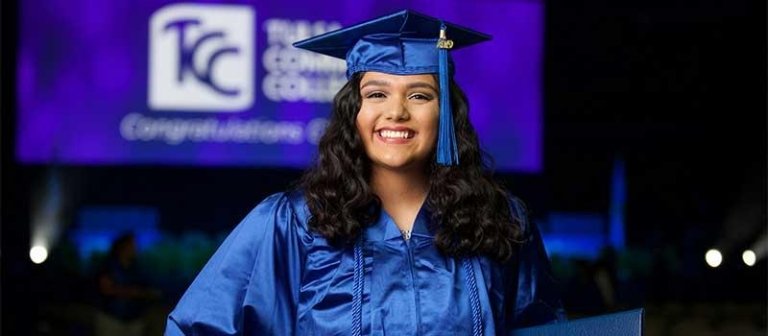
[
  {"x": 38, "y": 254},
  {"x": 713, "y": 258},
  {"x": 749, "y": 257},
  {"x": 46, "y": 218}
]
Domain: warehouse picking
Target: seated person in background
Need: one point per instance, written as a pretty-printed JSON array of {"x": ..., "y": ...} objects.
[{"x": 122, "y": 293}]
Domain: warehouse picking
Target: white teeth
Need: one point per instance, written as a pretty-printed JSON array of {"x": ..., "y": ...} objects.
[{"x": 395, "y": 134}]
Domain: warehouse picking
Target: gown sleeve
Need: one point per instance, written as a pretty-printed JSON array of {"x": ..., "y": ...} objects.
[
  {"x": 537, "y": 298},
  {"x": 251, "y": 283}
]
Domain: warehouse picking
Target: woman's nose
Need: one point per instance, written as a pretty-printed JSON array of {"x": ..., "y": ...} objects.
[{"x": 398, "y": 111}]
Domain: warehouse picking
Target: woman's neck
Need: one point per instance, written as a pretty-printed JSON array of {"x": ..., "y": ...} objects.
[{"x": 401, "y": 193}]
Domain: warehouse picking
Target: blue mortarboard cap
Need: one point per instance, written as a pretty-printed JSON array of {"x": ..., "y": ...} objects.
[{"x": 403, "y": 43}]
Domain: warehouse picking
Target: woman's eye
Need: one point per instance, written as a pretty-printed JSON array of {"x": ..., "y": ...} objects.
[
  {"x": 375, "y": 95},
  {"x": 421, "y": 96}
]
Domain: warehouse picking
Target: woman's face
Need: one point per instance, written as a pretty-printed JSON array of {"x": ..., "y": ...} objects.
[{"x": 398, "y": 119}]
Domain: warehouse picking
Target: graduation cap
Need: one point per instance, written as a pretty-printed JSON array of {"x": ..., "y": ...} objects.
[{"x": 403, "y": 43}]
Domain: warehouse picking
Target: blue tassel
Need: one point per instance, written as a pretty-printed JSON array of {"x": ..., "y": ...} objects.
[{"x": 447, "y": 151}]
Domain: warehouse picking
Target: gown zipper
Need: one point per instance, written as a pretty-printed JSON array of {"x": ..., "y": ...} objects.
[{"x": 416, "y": 299}]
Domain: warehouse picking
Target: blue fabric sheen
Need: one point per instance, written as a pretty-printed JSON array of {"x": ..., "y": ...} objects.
[
  {"x": 273, "y": 276},
  {"x": 395, "y": 54}
]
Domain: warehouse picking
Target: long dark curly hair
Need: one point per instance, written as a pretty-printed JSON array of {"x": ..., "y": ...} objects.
[{"x": 471, "y": 209}]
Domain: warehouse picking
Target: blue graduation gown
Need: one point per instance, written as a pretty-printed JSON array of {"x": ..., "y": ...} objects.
[{"x": 273, "y": 276}]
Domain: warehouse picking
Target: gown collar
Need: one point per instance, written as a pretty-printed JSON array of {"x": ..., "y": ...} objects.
[{"x": 384, "y": 228}]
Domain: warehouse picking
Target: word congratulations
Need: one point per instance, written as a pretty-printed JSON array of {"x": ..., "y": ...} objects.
[
  {"x": 299, "y": 75},
  {"x": 174, "y": 131}
]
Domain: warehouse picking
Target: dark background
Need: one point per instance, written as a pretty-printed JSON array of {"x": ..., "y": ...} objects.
[{"x": 677, "y": 89}]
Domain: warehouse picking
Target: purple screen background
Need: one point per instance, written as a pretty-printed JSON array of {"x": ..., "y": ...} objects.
[{"x": 83, "y": 66}]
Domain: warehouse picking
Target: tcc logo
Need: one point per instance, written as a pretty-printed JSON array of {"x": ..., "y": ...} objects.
[{"x": 201, "y": 58}]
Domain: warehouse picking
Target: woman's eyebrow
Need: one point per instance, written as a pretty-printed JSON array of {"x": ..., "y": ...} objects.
[
  {"x": 422, "y": 85},
  {"x": 374, "y": 83},
  {"x": 414, "y": 85}
]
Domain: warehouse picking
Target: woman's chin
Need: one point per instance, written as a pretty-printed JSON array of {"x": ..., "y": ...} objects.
[{"x": 399, "y": 165}]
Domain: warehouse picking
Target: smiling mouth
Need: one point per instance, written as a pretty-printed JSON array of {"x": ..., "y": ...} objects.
[{"x": 390, "y": 134}]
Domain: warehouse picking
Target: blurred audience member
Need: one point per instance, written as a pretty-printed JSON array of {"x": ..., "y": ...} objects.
[{"x": 122, "y": 293}]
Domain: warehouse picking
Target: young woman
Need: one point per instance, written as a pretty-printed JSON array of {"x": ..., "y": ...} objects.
[{"x": 398, "y": 229}]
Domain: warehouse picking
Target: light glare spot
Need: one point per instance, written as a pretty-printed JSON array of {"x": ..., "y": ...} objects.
[
  {"x": 749, "y": 257},
  {"x": 38, "y": 254},
  {"x": 713, "y": 258}
]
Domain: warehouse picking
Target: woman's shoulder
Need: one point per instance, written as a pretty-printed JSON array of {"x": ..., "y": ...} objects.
[
  {"x": 286, "y": 210},
  {"x": 290, "y": 200}
]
